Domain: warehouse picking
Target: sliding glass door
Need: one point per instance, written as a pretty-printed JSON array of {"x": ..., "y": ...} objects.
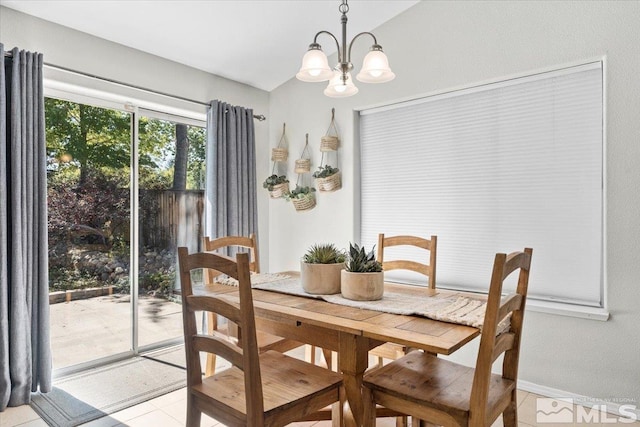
[
  {"x": 88, "y": 177},
  {"x": 124, "y": 191},
  {"x": 170, "y": 197}
]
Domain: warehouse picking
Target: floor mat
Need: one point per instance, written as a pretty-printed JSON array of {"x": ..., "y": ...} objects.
[{"x": 92, "y": 394}]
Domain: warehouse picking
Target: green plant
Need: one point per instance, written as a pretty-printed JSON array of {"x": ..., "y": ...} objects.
[
  {"x": 299, "y": 192},
  {"x": 274, "y": 180},
  {"x": 361, "y": 261},
  {"x": 325, "y": 171},
  {"x": 324, "y": 254},
  {"x": 158, "y": 283}
]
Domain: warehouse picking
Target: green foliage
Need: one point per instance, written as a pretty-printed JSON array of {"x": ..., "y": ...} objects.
[
  {"x": 299, "y": 193},
  {"x": 84, "y": 137},
  {"x": 325, "y": 172},
  {"x": 197, "y": 155},
  {"x": 62, "y": 279},
  {"x": 361, "y": 261},
  {"x": 158, "y": 283},
  {"x": 158, "y": 151},
  {"x": 89, "y": 180},
  {"x": 324, "y": 254},
  {"x": 274, "y": 180}
]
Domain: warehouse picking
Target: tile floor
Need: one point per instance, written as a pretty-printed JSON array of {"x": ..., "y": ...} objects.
[
  {"x": 169, "y": 411},
  {"x": 165, "y": 411}
]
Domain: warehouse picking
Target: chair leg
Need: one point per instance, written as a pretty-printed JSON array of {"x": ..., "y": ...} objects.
[
  {"x": 510, "y": 414},
  {"x": 369, "y": 419},
  {"x": 337, "y": 410},
  {"x": 401, "y": 421},
  {"x": 193, "y": 413}
]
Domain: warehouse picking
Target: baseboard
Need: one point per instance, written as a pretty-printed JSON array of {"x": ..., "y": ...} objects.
[{"x": 627, "y": 408}]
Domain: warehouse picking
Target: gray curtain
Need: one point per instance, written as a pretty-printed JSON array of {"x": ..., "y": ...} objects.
[
  {"x": 231, "y": 196},
  {"x": 25, "y": 352}
]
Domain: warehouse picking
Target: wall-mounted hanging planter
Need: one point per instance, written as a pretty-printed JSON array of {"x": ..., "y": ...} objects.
[
  {"x": 329, "y": 178},
  {"x": 331, "y": 141},
  {"x": 302, "y": 197},
  {"x": 278, "y": 185},
  {"x": 304, "y": 201},
  {"x": 303, "y": 164},
  {"x": 281, "y": 152}
]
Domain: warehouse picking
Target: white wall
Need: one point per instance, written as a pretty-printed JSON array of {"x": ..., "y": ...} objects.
[
  {"x": 82, "y": 52},
  {"x": 439, "y": 45}
]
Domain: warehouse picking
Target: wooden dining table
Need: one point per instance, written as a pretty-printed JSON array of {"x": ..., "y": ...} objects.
[{"x": 351, "y": 332}]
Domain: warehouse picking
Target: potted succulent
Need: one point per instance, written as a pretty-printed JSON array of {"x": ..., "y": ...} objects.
[
  {"x": 362, "y": 279},
  {"x": 303, "y": 198},
  {"x": 328, "y": 178},
  {"x": 278, "y": 186},
  {"x": 320, "y": 269}
]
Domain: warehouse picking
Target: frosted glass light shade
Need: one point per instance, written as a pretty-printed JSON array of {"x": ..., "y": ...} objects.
[
  {"x": 375, "y": 68},
  {"x": 315, "y": 66},
  {"x": 338, "y": 88}
]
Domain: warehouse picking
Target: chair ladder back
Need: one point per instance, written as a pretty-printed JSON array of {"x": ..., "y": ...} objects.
[
  {"x": 242, "y": 242},
  {"x": 511, "y": 357},
  {"x": 188, "y": 318},
  {"x": 249, "y": 343},
  {"x": 428, "y": 270},
  {"x": 243, "y": 355},
  {"x": 492, "y": 346}
]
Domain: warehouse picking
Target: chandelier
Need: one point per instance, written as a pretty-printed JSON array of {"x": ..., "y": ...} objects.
[{"x": 315, "y": 66}]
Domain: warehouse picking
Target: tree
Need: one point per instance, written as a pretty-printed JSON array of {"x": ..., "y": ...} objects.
[
  {"x": 86, "y": 138},
  {"x": 180, "y": 164}
]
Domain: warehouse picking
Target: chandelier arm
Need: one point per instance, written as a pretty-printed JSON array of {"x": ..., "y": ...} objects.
[
  {"x": 315, "y": 40},
  {"x": 375, "y": 42}
]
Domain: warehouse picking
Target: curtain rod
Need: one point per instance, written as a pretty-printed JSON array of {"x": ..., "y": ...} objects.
[{"x": 259, "y": 117}]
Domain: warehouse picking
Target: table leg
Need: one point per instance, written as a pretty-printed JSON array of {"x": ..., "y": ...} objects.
[{"x": 353, "y": 361}]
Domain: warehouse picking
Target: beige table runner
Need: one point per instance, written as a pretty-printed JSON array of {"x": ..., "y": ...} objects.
[{"x": 454, "y": 309}]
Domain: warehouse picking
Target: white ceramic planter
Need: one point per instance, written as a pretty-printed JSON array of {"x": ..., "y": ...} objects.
[
  {"x": 321, "y": 278},
  {"x": 362, "y": 286}
]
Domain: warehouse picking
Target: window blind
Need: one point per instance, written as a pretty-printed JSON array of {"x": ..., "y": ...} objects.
[{"x": 493, "y": 169}]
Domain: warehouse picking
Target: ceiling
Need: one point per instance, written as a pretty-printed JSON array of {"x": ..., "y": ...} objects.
[{"x": 258, "y": 42}]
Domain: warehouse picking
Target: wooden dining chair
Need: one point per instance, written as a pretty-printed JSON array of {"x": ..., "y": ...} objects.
[
  {"x": 265, "y": 341},
  {"x": 446, "y": 393},
  {"x": 428, "y": 269},
  {"x": 391, "y": 350},
  {"x": 258, "y": 389}
]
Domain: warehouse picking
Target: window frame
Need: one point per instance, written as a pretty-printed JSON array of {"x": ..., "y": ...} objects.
[{"x": 545, "y": 306}]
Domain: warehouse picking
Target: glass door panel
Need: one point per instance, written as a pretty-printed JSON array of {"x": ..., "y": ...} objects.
[
  {"x": 170, "y": 197},
  {"x": 88, "y": 184}
]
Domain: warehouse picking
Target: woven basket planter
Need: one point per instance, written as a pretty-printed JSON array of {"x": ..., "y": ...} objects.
[
  {"x": 330, "y": 183},
  {"x": 308, "y": 201},
  {"x": 303, "y": 165},
  {"x": 279, "y": 154},
  {"x": 279, "y": 190},
  {"x": 329, "y": 143}
]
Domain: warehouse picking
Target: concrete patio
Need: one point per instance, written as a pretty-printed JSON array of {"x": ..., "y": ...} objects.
[{"x": 88, "y": 329}]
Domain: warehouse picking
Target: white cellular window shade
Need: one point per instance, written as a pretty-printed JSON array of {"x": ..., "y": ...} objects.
[{"x": 493, "y": 169}]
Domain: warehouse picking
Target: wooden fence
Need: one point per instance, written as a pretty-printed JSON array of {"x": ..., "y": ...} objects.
[{"x": 169, "y": 219}]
